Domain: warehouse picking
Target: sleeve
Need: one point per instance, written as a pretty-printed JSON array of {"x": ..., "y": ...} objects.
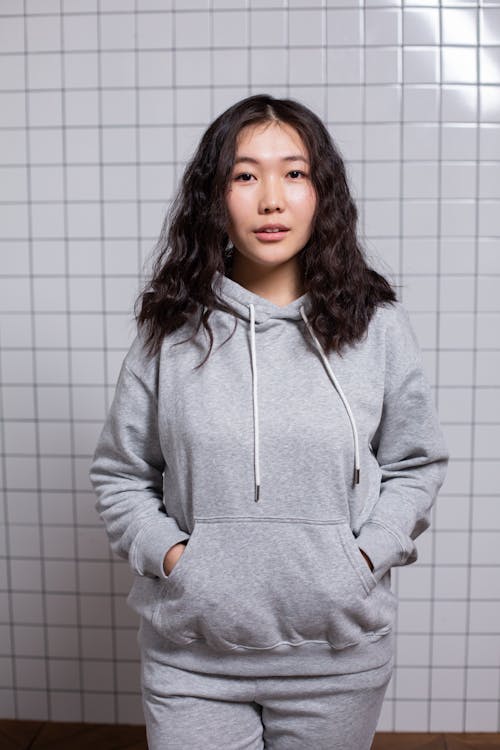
[
  {"x": 127, "y": 474},
  {"x": 411, "y": 450}
]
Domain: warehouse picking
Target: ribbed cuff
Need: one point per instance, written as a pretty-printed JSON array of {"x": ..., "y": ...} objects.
[
  {"x": 382, "y": 547},
  {"x": 151, "y": 546}
]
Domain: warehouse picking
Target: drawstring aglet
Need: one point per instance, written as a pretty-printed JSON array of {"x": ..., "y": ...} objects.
[
  {"x": 257, "y": 492},
  {"x": 356, "y": 476}
]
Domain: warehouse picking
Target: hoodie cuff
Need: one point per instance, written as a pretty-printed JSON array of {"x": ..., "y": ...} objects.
[
  {"x": 382, "y": 547},
  {"x": 151, "y": 546}
]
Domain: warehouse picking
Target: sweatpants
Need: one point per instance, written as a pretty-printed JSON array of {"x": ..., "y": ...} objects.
[{"x": 191, "y": 710}]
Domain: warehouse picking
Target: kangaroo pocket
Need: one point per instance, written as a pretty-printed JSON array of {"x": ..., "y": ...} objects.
[{"x": 254, "y": 584}]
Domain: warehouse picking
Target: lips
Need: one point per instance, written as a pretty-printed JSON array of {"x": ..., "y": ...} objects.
[
  {"x": 272, "y": 227},
  {"x": 271, "y": 233}
]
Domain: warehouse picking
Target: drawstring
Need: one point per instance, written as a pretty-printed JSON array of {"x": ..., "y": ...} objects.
[
  {"x": 341, "y": 394},
  {"x": 255, "y": 403},
  {"x": 256, "y": 408}
]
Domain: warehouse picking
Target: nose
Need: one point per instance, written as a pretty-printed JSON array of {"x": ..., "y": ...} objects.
[{"x": 271, "y": 197}]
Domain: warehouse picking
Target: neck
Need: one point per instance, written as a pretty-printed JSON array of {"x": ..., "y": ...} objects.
[{"x": 280, "y": 285}]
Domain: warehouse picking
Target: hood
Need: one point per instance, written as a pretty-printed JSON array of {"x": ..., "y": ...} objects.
[
  {"x": 240, "y": 299},
  {"x": 257, "y": 310}
]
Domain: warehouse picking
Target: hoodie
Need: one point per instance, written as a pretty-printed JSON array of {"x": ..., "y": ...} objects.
[{"x": 277, "y": 464}]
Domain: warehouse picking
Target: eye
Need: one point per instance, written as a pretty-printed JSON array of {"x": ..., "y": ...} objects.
[
  {"x": 243, "y": 174},
  {"x": 247, "y": 174}
]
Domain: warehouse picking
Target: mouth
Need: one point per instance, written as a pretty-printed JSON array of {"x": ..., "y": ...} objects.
[{"x": 271, "y": 232}]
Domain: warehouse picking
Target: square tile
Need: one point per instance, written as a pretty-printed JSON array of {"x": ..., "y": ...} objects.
[
  {"x": 191, "y": 29},
  {"x": 481, "y": 716},
  {"x": 13, "y": 34},
  {"x": 231, "y": 29},
  {"x": 413, "y": 649},
  {"x": 98, "y": 675},
  {"x": 344, "y": 65},
  {"x": 448, "y": 650},
  {"x": 459, "y": 26},
  {"x": 156, "y": 106},
  {"x": 117, "y": 30},
  {"x": 412, "y": 682},
  {"x": 119, "y": 106},
  {"x": 64, "y": 673},
  {"x": 43, "y": 33},
  {"x": 483, "y": 583},
  {"x": 451, "y": 580},
  {"x": 65, "y": 707},
  {"x": 61, "y": 611},
  {"x": 155, "y": 29},
  {"x": 81, "y": 70},
  {"x": 344, "y": 26},
  {"x": 421, "y": 65},
  {"x": 421, "y": 103},
  {"x": 382, "y": 102},
  {"x": 458, "y": 102},
  {"x": 421, "y": 26},
  {"x": 96, "y": 611},
  {"x": 268, "y": 66},
  {"x": 449, "y": 617},
  {"x": 447, "y": 683},
  {"x": 306, "y": 66},
  {"x": 62, "y": 642},
  {"x": 382, "y": 65},
  {"x": 459, "y": 65},
  {"x": 155, "y": 68},
  {"x": 268, "y": 29},
  {"x": 30, "y": 674},
  {"x": 382, "y": 26},
  {"x": 305, "y": 28},
  {"x": 13, "y": 143},
  {"x": 446, "y": 715}
]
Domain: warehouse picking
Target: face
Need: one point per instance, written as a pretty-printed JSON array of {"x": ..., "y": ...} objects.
[{"x": 267, "y": 186}]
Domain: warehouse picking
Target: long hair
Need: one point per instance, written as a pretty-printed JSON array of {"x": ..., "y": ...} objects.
[{"x": 194, "y": 243}]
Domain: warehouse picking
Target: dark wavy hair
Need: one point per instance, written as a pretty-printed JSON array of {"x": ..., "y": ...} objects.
[{"x": 193, "y": 242}]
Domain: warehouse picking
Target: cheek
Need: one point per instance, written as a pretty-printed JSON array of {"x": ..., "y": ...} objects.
[
  {"x": 237, "y": 206},
  {"x": 304, "y": 204}
]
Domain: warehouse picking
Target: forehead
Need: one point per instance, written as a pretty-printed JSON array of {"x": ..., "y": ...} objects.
[{"x": 279, "y": 139}]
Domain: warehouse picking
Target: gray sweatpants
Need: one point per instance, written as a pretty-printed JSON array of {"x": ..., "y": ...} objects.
[{"x": 186, "y": 710}]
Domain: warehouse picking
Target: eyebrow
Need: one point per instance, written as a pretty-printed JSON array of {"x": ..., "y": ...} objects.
[{"x": 293, "y": 157}]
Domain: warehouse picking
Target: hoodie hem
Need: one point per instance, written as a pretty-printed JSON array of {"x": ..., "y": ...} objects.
[{"x": 309, "y": 658}]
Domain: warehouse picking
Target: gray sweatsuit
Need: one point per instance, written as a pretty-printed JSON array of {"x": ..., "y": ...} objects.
[{"x": 277, "y": 463}]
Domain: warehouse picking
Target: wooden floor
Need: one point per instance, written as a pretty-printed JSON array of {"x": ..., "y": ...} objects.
[{"x": 47, "y": 735}]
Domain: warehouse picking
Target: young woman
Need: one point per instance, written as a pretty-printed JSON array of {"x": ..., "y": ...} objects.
[{"x": 262, "y": 493}]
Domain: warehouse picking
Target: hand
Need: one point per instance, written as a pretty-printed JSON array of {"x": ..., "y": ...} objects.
[
  {"x": 172, "y": 556},
  {"x": 366, "y": 558}
]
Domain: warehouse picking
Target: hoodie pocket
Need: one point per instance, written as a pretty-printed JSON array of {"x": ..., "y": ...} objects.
[{"x": 259, "y": 583}]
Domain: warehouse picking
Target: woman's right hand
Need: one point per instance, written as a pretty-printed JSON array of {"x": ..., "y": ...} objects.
[{"x": 172, "y": 556}]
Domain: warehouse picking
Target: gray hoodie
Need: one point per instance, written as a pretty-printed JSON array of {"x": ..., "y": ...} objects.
[{"x": 277, "y": 463}]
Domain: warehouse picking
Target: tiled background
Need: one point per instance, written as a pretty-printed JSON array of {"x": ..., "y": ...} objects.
[{"x": 102, "y": 103}]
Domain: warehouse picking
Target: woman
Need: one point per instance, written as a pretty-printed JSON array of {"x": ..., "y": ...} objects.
[{"x": 263, "y": 494}]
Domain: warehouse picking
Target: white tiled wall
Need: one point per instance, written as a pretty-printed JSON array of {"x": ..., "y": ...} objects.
[{"x": 102, "y": 103}]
